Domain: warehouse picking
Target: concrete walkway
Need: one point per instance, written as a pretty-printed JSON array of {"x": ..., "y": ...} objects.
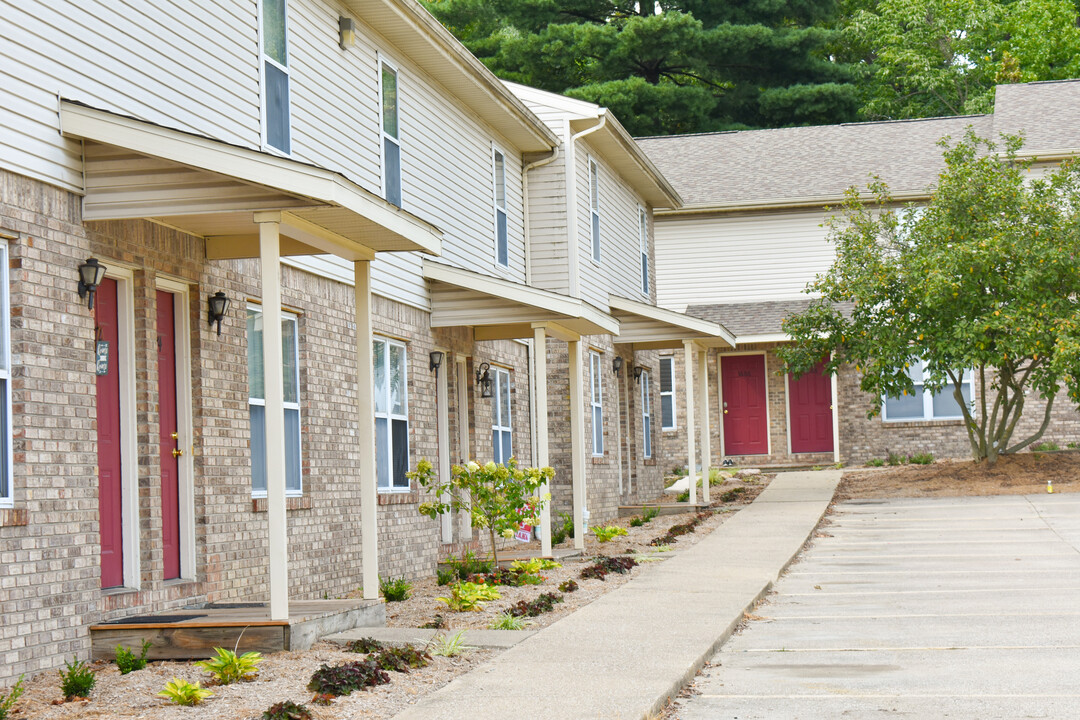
[
  {"x": 623, "y": 655},
  {"x": 916, "y": 608}
]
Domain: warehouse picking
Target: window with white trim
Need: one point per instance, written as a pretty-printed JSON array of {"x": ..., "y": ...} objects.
[
  {"x": 643, "y": 245},
  {"x": 502, "y": 250},
  {"x": 274, "y": 47},
  {"x": 922, "y": 404},
  {"x": 391, "y": 138},
  {"x": 596, "y": 400},
  {"x": 290, "y": 373},
  {"x": 646, "y": 413},
  {"x": 7, "y": 492},
  {"x": 594, "y": 207},
  {"x": 391, "y": 415},
  {"x": 667, "y": 393},
  {"x": 502, "y": 430}
]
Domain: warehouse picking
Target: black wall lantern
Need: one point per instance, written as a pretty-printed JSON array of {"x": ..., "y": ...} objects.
[
  {"x": 616, "y": 365},
  {"x": 91, "y": 274},
  {"x": 218, "y": 306},
  {"x": 435, "y": 358},
  {"x": 637, "y": 372},
  {"x": 483, "y": 379}
]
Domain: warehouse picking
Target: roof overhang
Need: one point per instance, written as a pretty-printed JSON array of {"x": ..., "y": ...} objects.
[
  {"x": 138, "y": 170},
  {"x": 779, "y": 337},
  {"x": 650, "y": 327},
  {"x": 498, "y": 309},
  {"x": 784, "y": 203}
]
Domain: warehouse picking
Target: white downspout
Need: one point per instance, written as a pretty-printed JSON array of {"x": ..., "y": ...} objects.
[
  {"x": 525, "y": 207},
  {"x": 572, "y": 249}
]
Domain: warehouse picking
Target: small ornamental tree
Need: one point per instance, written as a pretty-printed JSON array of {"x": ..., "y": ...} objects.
[
  {"x": 498, "y": 498},
  {"x": 984, "y": 279}
]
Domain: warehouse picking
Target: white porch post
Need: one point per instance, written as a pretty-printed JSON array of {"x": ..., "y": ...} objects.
[
  {"x": 541, "y": 420},
  {"x": 577, "y": 440},
  {"x": 835, "y": 411},
  {"x": 270, "y": 272},
  {"x": 691, "y": 459},
  {"x": 442, "y": 429},
  {"x": 365, "y": 430},
  {"x": 703, "y": 398}
]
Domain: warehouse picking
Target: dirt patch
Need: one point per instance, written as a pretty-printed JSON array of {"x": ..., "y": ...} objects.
[{"x": 1019, "y": 474}]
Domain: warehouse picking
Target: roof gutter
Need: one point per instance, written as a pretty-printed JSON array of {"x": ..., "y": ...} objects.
[
  {"x": 525, "y": 203},
  {"x": 572, "y": 201}
]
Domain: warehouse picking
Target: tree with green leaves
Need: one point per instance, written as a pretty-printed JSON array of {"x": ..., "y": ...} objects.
[
  {"x": 985, "y": 279},
  {"x": 667, "y": 67}
]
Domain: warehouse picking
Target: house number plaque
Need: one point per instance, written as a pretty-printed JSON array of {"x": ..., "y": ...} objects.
[{"x": 102, "y": 357}]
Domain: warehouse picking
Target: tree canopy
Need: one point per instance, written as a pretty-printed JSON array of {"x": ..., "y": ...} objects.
[
  {"x": 671, "y": 66},
  {"x": 985, "y": 278}
]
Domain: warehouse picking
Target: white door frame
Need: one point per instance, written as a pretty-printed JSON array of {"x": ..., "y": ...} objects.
[{"x": 720, "y": 393}]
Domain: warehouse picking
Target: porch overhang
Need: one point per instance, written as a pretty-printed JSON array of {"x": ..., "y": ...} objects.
[
  {"x": 138, "y": 170},
  {"x": 648, "y": 327},
  {"x": 498, "y": 309}
]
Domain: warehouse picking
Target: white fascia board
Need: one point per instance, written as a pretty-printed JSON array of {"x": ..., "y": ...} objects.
[
  {"x": 763, "y": 338},
  {"x": 678, "y": 321}
]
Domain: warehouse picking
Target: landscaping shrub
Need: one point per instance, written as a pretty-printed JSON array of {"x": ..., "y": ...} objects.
[
  {"x": 1048, "y": 446},
  {"x": 401, "y": 659},
  {"x": 684, "y": 496},
  {"x": 507, "y": 621},
  {"x": 605, "y": 534},
  {"x": 636, "y": 521},
  {"x": 732, "y": 495},
  {"x": 8, "y": 699},
  {"x": 921, "y": 459},
  {"x": 437, "y": 623},
  {"x": 565, "y": 529},
  {"x": 228, "y": 667},
  {"x": 451, "y": 646},
  {"x": 894, "y": 460},
  {"x": 126, "y": 660},
  {"x": 395, "y": 589},
  {"x": 469, "y": 564},
  {"x": 542, "y": 604},
  {"x": 875, "y": 462},
  {"x": 343, "y": 679},
  {"x": 604, "y": 565},
  {"x": 365, "y": 645},
  {"x": 467, "y": 596},
  {"x": 287, "y": 710},
  {"x": 182, "y": 692},
  {"x": 647, "y": 514},
  {"x": 77, "y": 680},
  {"x": 444, "y": 577},
  {"x": 568, "y": 586}
]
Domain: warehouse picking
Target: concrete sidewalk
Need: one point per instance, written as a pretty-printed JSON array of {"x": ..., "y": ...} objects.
[{"x": 625, "y": 654}]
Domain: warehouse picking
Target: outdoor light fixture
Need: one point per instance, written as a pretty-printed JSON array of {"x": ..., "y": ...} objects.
[
  {"x": 637, "y": 372},
  {"x": 616, "y": 364},
  {"x": 435, "y": 358},
  {"x": 346, "y": 32},
  {"x": 218, "y": 306},
  {"x": 91, "y": 273},
  {"x": 483, "y": 379}
]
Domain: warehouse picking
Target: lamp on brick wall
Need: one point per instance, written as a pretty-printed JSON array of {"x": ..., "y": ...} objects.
[
  {"x": 435, "y": 358},
  {"x": 483, "y": 379},
  {"x": 616, "y": 365},
  {"x": 91, "y": 273},
  {"x": 218, "y": 306},
  {"x": 637, "y": 372}
]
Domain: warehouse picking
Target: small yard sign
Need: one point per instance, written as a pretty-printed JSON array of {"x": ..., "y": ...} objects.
[{"x": 524, "y": 533}]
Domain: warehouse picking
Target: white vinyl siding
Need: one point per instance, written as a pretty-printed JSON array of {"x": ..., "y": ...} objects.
[
  {"x": 502, "y": 430},
  {"x": 922, "y": 404},
  {"x": 498, "y": 167},
  {"x": 7, "y": 494},
  {"x": 667, "y": 394},
  {"x": 643, "y": 248},
  {"x": 389, "y": 88},
  {"x": 274, "y": 45},
  {"x": 596, "y": 402},
  {"x": 290, "y": 356},
  {"x": 391, "y": 415},
  {"x": 646, "y": 414},
  {"x": 594, "y": 209}
]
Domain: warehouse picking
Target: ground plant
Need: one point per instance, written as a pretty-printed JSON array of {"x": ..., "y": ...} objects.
[
  {"x": 921, "y": 459},
  {"x": 468, "y": 564},
  {"x": 507, "y": 621},
  {"x": 127, "y": 661},
  {"x": 467, "y": 596},
  {"x": 8, "y": 699},
  {"x": 605, "y": 565},
  {"x": 636, "y": 521},
  {"x": 1048, "y": 446},
  {"x": 608, "y": 533},
  {"x": 228, "y": 667},
  {"x": 402, "y": 659},
  {"x": 732, "y": 495},
  {"x": 287, "y": 710},
  {"x": 450, "y": 645},
  {"x": 339, "y": 680},
  {"x": 875, "y": 462},
  {"x": 395, "y": 589},
  {"x": 563, "y": 530},
  {"x": 323, "y": 699},
  {"x": 648, "y": 513},
  {"x": 568, "y": 586},
  {"x": 365, "y": 645},
  {"x": 545, "y": 602},
  {"x": 445, "y": 577},
  {"x": 436, "y": 623},
  {"x": 76, "y": 679},
  {"x": 181, "y": 692}
]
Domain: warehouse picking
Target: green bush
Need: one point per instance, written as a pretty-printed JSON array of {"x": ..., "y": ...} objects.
[
  {"x": 339, "y": 680},
  {"x": 921, "y": 459},
  {"x": 542, "y": 604},
  {"x": 228, "y": 667},
  {"x": 648, "y": 513},
  {"x": 365, "y": 645},
  {"x": 563, "y": 530},
  {"x": 287, "y": 710},
  {"x": 607, "y": 534},
  {"x": 568, "y": 586},
  {"x": 181, "y": 692},
  {"x": 8, "y": 699},
  {"x": 636, "y": 521},
  {"x": 402, "y": 659},
  {"x": 684, "y": 496},
  {"x": 77, "y": 680},
  {"x": 507, "y": 621},
  {"x": 469, "y": 564},
  {"x": 395, "y": 589},
  {"x": 1047, "y": 446},
  {"x": 894, "y": 460},
  {"x": 126, "y": 660},
  {"x": 875, "y": 462},
  {"x": 444, "y": 577},
  {"x": 466, "y": 596},
  {"x": 451, "y": 646}
]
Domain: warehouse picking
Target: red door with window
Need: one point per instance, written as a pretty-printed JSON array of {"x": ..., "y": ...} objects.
[
  {"x": 169, "y": 438},
  {"x": 110, "y": 481},
  {"x": 810, "y": 404},
  {"x": 746, "y": 422}
]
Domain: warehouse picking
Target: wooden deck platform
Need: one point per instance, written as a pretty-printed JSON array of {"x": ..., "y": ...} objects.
[{"x": 192, "y": 633}]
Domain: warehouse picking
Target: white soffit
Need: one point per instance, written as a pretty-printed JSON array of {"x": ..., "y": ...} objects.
[{"x": 647, "y": 325}]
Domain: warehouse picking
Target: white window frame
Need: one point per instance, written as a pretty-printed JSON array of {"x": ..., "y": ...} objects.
[
  {"x": 670, "y": 360},
  {"x": 501, "y": 243},
  {"x": 295, "y": 319},
  {"x": 7, "y": 494},
  {"x": 384, "y": 62},
  {"x": 643, "y": 246},
  {"x": 646, "y": 414},
  {"x": 596, "y": 402},
  {"x": 594, "y": 210},
  {"x": 263, "y": 59},
  {"x": 498, "y": 423},
  {"x": 391, "y": 416},
  {"x": 928, "y": 401}
]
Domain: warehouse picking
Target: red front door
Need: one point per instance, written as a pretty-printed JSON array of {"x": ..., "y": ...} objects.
[
  {"x": 746, "y": 423},
  {"x": 110, "y": 481},
  {"x": 170, "y": 445},
  {"x": 810, "y": 403}
]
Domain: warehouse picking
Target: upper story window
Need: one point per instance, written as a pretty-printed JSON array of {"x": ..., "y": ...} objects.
[
  {"x": 643, "y": 244},
  {"x": 290, "y": 357},
  {"x": 391, "y": 138},
  {"x": 667, "y": 393},
  {"x": 502, "y": 430},
  {"x": 646, "y": 413},
  {"x": 502, "y": 250},
  {"x": 275, "y": 75},
  {"x": 597, "y": 402},
  {"x": 7, "y": 493},
  {"x": 391, "y": 415},
  {"x": 594, "y": 207},
  {"x": 922, "y": 404}
]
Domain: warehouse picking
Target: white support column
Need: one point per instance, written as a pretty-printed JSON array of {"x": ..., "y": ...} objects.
[
  {"x": 577, "y": 440},
  {"x": 540, "y": 419},
  {"x": 442, "y": 430},
  {"x": 365, "y": 430},
  {"x": 691, "y": 459},
  {"x": 703, "y": 398},
  {"x": 270, "y": 278},
  {"x": 618, "y": 431},
  {"x": 834, "y": 410}
]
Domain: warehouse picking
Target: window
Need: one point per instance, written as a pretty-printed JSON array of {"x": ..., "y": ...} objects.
[
  {"x": 502, "y": 253},
  {"x": 290, "y": 357},
  {"x": 597, "y": 398},
  {"x": 501, "y": 429},
  {"x": 643, "y": 242},
  {"x": 646, "y": 413},
  {"x": 925, "y": 405},
  {"x": 7, "y": 493},
  {"x": 391, "y": 415},
  {"x": 274, "y": 34},
  {"x": 594, "y": 205},
  {"x": 391, "y": 140},
  {"x": 667, "y": 393}
]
